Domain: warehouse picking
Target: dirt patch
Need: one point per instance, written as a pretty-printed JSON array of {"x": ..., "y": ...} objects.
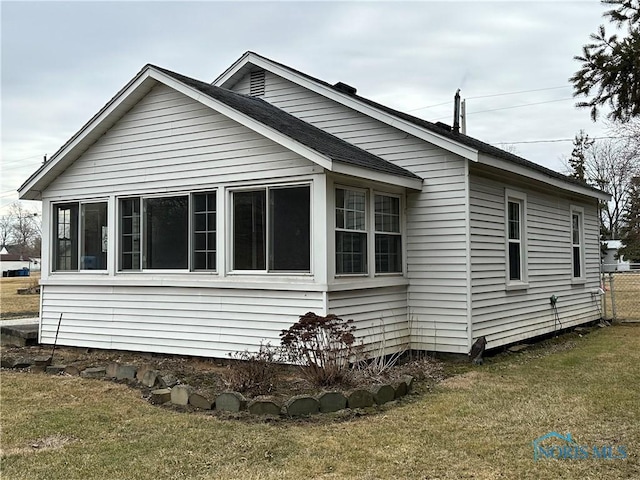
[
  {"x": 52, "y": 442},
  {"x": 465, "y": 381}
]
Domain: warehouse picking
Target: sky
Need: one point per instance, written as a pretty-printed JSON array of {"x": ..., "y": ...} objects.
[{"x": 62, "y": 61}]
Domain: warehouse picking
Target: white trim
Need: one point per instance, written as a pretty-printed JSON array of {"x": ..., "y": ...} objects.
[
  {"x": 467, "y": 233},
  {"x": 519, "y": 198},
  {"x": 355, "y": 104}
]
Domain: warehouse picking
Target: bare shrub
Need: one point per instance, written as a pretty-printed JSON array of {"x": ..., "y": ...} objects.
[
  {"x": 322, "y": 346},
  {"x": 252, "y": 372}
]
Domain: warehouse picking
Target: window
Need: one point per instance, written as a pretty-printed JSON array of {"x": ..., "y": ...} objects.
[
  {"x": 577, "y": 256},
  {"x": 351, "y": 231},
  {"x": 204, "y": 231},
  {"x": 80, "y": 231},
  {"x": 157, "y": 238},
  {"x": 273, "y": 235},
  {"x": 388, "y": 239},
  {"x": 515, "y": 233}
]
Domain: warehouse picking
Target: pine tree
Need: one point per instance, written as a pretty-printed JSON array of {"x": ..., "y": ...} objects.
[
  {"x": 581, "y": 144},
  {"x": 610, "y": 71},
  {"x": 630, "y": 232}
]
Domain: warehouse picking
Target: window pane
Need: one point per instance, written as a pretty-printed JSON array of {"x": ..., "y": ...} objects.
[
  {"x": 351, "y": 252},
  {"x": 577, "y": 268},
  {"x": 575, "y": 220},
  {"x": 130, "y": 234},
  {"x": 289, "y": 229},
  {"x": 514, "y": 261},
  {"x": 350, "y": 209},
  {"x": 94, "y": 236},
  {"x": 387, "y": 214},
  {"x": 388, "y": 253},
  {"x": 166, "y": 237},
  {"x": 514, "y": 221},
  {"x": 204, "y": 212},
  {"x": 66, "y": 240},
  {"x": 249, "y": 230}
]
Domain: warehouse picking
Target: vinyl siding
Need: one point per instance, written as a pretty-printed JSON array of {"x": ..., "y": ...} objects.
[
  {"x": 436, "y": 235},
  {"x": 204, "y": 321},
  {"x": 509, "y": 316},
  {"x": 168, "y": 141},
  {"x": 379, "y": 315}
]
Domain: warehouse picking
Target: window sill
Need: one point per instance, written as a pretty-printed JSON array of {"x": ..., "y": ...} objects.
[
  {"x": 513, "y": 286},
  {"x": 578, "y": 281}
]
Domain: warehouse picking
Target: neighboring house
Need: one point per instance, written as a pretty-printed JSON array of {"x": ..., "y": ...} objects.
[
  {"x": 195, "y": 218},
  {"x": 611, "y": 262}
]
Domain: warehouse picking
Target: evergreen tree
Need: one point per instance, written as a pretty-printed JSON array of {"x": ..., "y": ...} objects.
[
  {"x": 611, "y": 65},
  {"x": 581, "y": 144},
  {"x": 631, "y": 230}
]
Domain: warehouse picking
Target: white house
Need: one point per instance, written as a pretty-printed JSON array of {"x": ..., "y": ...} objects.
[
  {"x": 195, "y": 218},
  {"x": 611, "y": 262}
]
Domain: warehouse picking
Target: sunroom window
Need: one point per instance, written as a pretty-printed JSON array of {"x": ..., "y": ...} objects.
[
  {"x": 351, "y": 231},
  {"x": 272, "y": 229},
  {"x": 387, "y": 234},
  {"x": 80, "y": 231}
]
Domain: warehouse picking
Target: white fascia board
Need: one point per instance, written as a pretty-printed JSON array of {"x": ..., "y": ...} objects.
[
  {"x": 241, "y": 118},
  {"x": 87, "y": 135},
  {"x": 541, "y": 177},
  {"x": 424, "y": 134},
  {"x": 376, "y": 176}
]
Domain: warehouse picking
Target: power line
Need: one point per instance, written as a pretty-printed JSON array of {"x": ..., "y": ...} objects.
[
  {"x": 556, "y": 140},
  {"x": 22, "y": 159},
  {"x": 513, "y": 106}
]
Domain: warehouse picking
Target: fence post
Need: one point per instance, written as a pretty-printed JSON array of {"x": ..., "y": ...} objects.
[{"x": 613, "y": 296}]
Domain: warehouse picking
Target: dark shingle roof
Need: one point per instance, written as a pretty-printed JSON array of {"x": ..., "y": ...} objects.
[
  {"x": 474, "y": 143},
  {"x": 299, "y": 130}
]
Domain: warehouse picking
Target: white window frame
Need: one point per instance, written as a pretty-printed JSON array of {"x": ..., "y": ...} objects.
[
  {"x": 399, "y": 233},
  {"x": 230, "y": 251},
  {"x": 579, "y": 212},
  {"x": 367, "y": 222},
  {"x": 514, "y": 196}
]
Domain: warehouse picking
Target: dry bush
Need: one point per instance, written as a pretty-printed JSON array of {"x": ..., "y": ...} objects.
[{"x": 252, "y": 372}]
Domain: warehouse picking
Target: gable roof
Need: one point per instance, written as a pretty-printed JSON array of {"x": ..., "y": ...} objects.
[
  {"x": 328, "y": 151},
  {"x": 442, "y": 135}
]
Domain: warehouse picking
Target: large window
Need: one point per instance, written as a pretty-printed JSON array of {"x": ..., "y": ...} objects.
[
  {"x": 80, "y": 231},
  {"x": 353, "y": 210},
  {"x": 577, "y": 253},
  {"x": 515, "y": 223},
  {"x": 272, "y": 235},
  {"x": 154, "y": 233}
]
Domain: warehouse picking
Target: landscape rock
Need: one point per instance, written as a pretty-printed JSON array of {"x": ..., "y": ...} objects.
[
  {"x": 331, "y": 402},
  {"x": 94, "y": 372},
  {"x": 200, "y": 400},
  {"x": 167, "y": 380},
  {"x": 230, "y": 402},
  {"x": 16, "y": 362},
  {"x": 150, "y": 378},
  {"x": 360, "y": 399},
  {"x": 264, "y": 407},
  {"x": 302, "y": 406},
  {"x": 518, "y": 348},
  {"x": 72, "y": 370},
  {"x": 111, "y": 370},
  {"x": 400, "y": 388},
  {"x": 180, "y": 394},
  {"x": 55, "y": 369},
  {"x": 43, "y": 360},
  {"x": 126, "y": 372},
  {"x": 160, "y": 396},
  {"x": 383, "y": 394},
  {"x": 408, "y": 380},
  {"x": 140, "y": 373}
]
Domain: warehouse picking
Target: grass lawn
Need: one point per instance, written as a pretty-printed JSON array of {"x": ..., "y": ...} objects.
[
  {"x": 477, "y": 424},
  {"x": 627, "y": 293},
  {"x": 13, "y": 305}
]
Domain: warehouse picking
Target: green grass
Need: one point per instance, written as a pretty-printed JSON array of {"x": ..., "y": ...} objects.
[{"x": 478, "y": 424}]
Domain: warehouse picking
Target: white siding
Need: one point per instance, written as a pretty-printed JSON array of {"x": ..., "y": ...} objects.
[
  {"x": 379, "y": 315},
  {"x": 188, "y": 321},
  {"x": 436, "y": 238},
  {"x": 168, "y": 141},
  {"x": 509, "y": 316}
]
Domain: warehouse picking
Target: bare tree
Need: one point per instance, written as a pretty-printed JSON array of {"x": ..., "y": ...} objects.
[
  {"x": 611, "y": 165},
  {"x": 25, "y": 229},
  {"x": 6, "y": 228}
]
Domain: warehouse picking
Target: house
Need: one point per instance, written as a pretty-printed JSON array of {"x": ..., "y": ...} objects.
[
  {"x": 611, "y": 262},
  {"x": 202, "y": 218},
  {"x": 13, "y": 265}
]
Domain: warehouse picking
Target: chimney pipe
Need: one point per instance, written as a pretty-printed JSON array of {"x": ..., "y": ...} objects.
[{"x": 456, "y": 112}]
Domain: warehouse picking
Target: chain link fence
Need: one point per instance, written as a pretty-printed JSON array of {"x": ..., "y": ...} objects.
[{"x": 621, "y": 299}]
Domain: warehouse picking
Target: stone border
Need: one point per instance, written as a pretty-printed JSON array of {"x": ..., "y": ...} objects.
[{"x": 167, "y": 390}]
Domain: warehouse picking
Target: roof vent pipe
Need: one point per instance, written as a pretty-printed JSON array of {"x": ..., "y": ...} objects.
[{"x": 456, "y": 112}]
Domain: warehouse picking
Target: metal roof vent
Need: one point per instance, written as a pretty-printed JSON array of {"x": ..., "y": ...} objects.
[
  {"x": 256, "y": 83},
  {"x": 344, "y": 88}
]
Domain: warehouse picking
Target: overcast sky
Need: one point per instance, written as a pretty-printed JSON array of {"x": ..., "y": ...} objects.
[{"x": 62, "y": 61}]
